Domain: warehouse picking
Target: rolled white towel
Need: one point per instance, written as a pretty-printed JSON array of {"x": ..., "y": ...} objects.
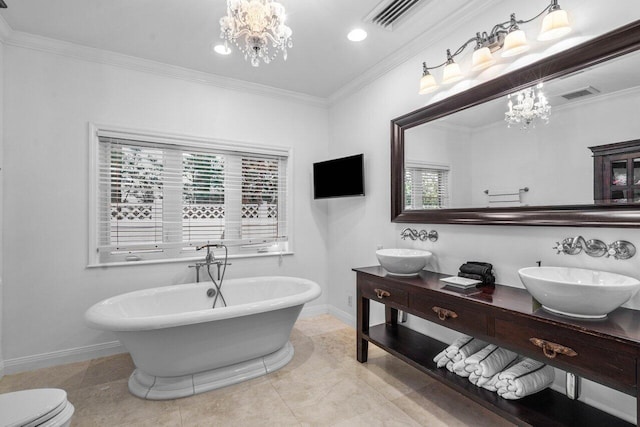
[
  {"x": 471, "y": 347},
  {"x": 448, "y": 353},
  {"x": 471, "y": 363},
  {"x": 473, "y": 378},
  {"x": 526, "y": 377},
  {"x": 491, "y": 383},
  {"x": 467, "y": 366},
  {"x": 483, "y": 365}
]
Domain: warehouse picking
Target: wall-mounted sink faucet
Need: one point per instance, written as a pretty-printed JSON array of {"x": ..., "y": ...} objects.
[
  {"x": 423, "y": 235},
  {"x": 620, "y": 249}
]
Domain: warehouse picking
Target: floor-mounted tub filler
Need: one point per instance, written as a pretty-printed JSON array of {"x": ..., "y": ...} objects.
[{"x": 181, "y": 346}]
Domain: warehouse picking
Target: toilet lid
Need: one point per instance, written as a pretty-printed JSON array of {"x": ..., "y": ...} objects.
[{"x": 23, "y": 407}]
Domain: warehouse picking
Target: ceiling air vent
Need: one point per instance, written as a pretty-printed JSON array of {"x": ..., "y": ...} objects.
[
  {"x": 579, "y": 93},
  {"x": 389, "y": 12}
]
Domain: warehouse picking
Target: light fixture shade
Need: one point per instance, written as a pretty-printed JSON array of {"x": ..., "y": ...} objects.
[
  {"x": 427, "y": 84},
  {"x": 514, "y": 44},
  {"x": 482, "y": 58},
  {"x": 554, "y": 25},
  {"x": 451, "y": 73}
]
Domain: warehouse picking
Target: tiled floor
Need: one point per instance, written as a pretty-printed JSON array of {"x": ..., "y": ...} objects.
[{"x": 322, "y": 385}]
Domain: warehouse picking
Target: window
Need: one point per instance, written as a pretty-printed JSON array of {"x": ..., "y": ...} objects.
[
  {"x": 426, "y": 186},
  {"x": 159, "y": 197}
]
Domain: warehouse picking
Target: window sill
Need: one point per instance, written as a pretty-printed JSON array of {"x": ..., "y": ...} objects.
[{"x": 190, "y": 259}]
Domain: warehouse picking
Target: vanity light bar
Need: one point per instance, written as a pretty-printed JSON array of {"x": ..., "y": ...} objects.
[{"x": 506, "y": 36}]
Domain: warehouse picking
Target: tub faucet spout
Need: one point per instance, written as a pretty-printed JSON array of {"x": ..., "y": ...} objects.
[{"x": 209, "y": 258}]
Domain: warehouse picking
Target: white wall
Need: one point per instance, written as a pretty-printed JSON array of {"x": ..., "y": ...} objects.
[
  {"x": 1, "y": 197},
  {"x": 360, "y": 123},
  {"x": 49, "y": 101}
]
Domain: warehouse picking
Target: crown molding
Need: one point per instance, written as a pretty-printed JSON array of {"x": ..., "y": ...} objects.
[
  {"x": 5, "y": 30},
  {"x": 84, "y": 53},
  {"x": 413, "y": 48}
]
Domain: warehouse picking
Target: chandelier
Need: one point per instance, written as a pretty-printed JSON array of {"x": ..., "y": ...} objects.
[
  {"x": 505, "y": 36},
  {"x": 529, "y": 106},
  {"x": 257, "y": 28}
]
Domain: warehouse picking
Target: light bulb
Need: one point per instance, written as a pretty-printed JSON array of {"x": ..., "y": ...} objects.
[
  {"x": 427, "y": 84},
  {"x": 514, "y": 44},
  {"x": 451, "y": 73},
  {"x": 482, "y": 58},
  {"x": 554, "y": 25}
]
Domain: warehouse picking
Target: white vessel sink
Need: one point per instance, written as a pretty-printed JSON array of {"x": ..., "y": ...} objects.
[
  {"x": 403, "y": 262},
  {"x": 578, "y": 292}
]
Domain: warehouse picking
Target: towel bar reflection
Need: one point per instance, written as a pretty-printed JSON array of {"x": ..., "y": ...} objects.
[{"x": 506, "y": 193}]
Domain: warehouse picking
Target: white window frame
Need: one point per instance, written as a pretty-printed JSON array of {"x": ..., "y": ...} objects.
[{"x": 247, "y": 249}]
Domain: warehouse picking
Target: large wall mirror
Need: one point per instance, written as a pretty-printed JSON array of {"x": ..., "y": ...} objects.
[{"x": 458, "y": 161}]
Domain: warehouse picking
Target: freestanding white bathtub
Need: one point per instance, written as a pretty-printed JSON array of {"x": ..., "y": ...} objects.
[{"x": 181, "y": 346}]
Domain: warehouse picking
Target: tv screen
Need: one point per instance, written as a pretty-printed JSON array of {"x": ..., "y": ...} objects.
[{"x": 339, "y": 177}]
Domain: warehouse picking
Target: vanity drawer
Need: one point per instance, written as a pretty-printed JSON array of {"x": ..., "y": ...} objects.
[
  {"x": 383, "y": 293},
  {"x": 452, "y": 314},
  {"x": 599, "y": 359}
]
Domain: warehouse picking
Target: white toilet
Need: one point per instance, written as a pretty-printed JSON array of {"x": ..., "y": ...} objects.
[{"x": 44, "y": 407}]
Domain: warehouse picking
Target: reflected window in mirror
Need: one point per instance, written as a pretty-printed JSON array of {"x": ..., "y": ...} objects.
[{"x": 426, "y": 186}]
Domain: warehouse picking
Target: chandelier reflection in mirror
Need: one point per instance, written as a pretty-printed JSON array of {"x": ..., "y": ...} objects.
[
  {"x": 530, "y": 106},
  {"x": 257, "y": 28},
  {"x": 506, "y": 36}
]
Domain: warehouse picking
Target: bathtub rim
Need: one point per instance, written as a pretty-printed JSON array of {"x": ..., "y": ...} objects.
[{"x": 96, "y": 319}]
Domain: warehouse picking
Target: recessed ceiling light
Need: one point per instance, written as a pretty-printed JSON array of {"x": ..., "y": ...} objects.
[
  {"x": 357, "y": 35},
  {"x": 221, "y": 49}
]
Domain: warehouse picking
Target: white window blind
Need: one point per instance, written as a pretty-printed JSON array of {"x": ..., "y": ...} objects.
[
  {"x": 426, "y": 187},
  {"x": 158, "y": 200}
]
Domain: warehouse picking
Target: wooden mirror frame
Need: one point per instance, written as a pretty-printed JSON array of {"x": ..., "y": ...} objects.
[{"x": 613, "y": 44}]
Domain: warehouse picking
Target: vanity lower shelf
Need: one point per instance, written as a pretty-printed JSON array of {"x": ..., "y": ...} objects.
[
  {"x": 546, "y": 408},
  {"x": 607, "y": 352}
]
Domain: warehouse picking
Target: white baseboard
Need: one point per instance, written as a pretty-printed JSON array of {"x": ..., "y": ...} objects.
[
  {"x": 314, "y": 310},
  {"x": 80, "y": 354},
  {"x": 347, "y": 318},
  {"x": 61, "y": 357}
]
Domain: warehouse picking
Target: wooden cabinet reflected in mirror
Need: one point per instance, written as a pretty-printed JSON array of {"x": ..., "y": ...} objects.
[
  {"x": 455, "y": 161},
  {"x": 616, "y": 172}
]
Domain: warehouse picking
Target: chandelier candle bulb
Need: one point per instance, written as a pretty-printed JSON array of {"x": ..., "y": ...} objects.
[
  {"x": 529, "y": 107},
  {"x": 255, "y": 26}
]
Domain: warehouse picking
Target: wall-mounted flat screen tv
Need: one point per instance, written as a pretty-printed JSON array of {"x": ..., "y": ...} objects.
[{"x": 341, "y": 177}]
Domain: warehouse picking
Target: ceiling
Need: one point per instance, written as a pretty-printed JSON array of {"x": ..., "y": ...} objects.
[{"x": 181, "y": 33}]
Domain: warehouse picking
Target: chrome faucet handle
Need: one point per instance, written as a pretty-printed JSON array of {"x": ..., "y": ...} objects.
[
  {"x": 569, "y": 246},
  {"x": 558, "y": 247},
  {"x": 432, "y": 235},
  {"x": 621, "y": 249}
]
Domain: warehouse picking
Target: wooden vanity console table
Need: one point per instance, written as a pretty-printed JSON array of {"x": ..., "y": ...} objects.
[{"x": 604, "y": 351}]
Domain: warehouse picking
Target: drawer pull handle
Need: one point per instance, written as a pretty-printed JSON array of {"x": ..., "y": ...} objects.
[
  {"x": 551, "y": 349},
  {"x": 381, "y": 293},
  {"x": 444, "y": 314}
]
